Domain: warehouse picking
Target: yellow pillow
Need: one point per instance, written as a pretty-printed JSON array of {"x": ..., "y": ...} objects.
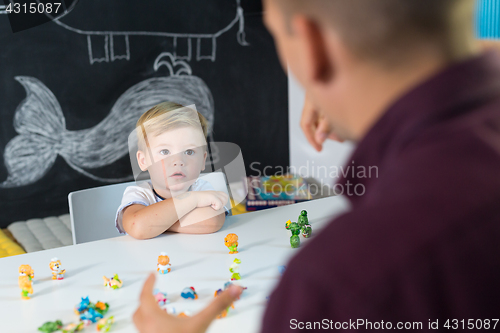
[{"x": 8, "y": 247}]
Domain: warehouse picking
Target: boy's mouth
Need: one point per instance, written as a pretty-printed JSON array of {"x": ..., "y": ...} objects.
[{"x": 177, "y": 175}]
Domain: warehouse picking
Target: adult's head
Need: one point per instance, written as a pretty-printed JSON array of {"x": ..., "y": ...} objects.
[{"x": 355, "y": 57}]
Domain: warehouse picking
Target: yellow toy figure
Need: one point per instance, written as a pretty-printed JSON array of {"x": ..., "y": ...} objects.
[
  {"x": 231, "y": 241},
  {"x": 26, "y": 276},
  {"x": 163, "y": 263},
  {"x": 57, "y": 271}
]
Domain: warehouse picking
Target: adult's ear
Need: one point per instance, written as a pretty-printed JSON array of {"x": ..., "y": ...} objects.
[{"x": 311, "y": 38}]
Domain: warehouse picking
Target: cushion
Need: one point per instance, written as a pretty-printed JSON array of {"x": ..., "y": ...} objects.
[
  {"x": 42, "y": 234},
  {"x": 8, "y": 247}
]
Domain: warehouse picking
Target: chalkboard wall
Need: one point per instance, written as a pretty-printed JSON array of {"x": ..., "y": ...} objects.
[{"x": 71, "y": 91}]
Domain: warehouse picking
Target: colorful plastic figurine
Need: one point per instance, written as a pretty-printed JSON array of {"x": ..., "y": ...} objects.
[
  {"x": 57, "y": 271},
  {"x": 287, "y": 224},
  {"x": 25, "y": 281},
  {"x": 51, "y": 326},
  {"x": 189, "y": 292},
  {"x": 226, "y": 310},
  {"x": 294, "y": 239},
  {"x": 306, "y": 231},
  {"x": 91, "y": 315},
  {"x": 163, "y": 263},
  {"x": 104, "y": 324},
  {"x": 114, "y": 282},
  {"x": 234, "y": 269},
  {"x": 82, "y": 306},
  {"x": 302, "y": 220},
  {"x": 231, "y": 241},
  {"x": 71, "y": 328},
  {"x": 160, "y": 297}
]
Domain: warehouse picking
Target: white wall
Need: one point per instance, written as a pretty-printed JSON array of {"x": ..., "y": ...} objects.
[{"x": 303, "y": 156}]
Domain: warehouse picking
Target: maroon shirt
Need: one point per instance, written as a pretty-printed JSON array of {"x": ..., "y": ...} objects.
[{"x": 423, "y": 242}]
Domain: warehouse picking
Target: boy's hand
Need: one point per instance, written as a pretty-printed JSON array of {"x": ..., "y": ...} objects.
[
  {"x": 150, "y": 318},
  {"x": 214, "y": 199}
]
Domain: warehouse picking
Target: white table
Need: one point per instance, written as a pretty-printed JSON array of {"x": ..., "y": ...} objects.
[{"x": 201, "y": 261}]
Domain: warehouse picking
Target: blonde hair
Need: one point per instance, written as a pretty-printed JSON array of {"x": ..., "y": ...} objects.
[{"x": 166, "y": 116}]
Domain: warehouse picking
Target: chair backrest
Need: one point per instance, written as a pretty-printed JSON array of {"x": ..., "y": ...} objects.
[{"x": 93, "y": 211}]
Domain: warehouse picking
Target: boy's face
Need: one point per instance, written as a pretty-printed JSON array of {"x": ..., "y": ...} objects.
[{"x": 175, "y": 158}]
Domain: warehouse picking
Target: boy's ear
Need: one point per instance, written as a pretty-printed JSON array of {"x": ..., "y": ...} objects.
[
  {"x": 141, "y": 160},
  {"x": 204, "y": 161}
]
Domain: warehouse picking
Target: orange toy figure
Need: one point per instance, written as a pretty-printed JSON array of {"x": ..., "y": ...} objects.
[
  {"x": 57, "y": 271},
  {"x": 231, "y": 241},
  {"x": 224, "y": 312},
  {"x": 26, "y": 276},
  {"x": 163, "y": 263}
]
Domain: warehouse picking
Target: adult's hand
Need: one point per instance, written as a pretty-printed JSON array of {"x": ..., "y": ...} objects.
[
  {"x": 150, "y": 318},
  {"x": 315, "y": 126}
]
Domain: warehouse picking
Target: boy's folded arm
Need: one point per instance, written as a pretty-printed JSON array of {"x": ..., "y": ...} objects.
[
  {"x": 143, "y": 222},
  {"x": 202, "y": 220}
]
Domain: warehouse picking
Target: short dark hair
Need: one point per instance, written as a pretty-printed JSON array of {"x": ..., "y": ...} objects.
[{"x": 386, "y": 29}]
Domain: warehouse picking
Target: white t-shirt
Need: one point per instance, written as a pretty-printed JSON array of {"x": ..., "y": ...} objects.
[{"x": 143, "y": 194}]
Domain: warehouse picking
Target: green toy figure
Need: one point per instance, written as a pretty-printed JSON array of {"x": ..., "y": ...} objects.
[
  {"x": 302, "y": 221},
  {"x": 51, "y": 326},
  {"x": 294, "y": 239},
  {"x": 306, "y": 231},
  {"x": 234, "y": 269}
]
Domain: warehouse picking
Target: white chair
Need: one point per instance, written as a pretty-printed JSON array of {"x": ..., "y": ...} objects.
[{"x": 93, "y": 211}]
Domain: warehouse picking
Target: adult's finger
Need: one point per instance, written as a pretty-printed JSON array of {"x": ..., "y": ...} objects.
[
  {"x": 219, "y": 304},
  {"x": 147, "y": 299},
  {"x": 309, "y": 122}
]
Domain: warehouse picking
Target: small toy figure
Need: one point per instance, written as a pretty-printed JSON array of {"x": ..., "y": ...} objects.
[
  {"x": 306, "y": 231},
  {"x": 225, "y": 311},
  {"x": 234, "y": 269},
  {"x": 189, "y": 292},
  {"x": 26, "y": 276},
  {"x": 104, "y": 324},
  {"x": 57, "y": 271},
  {"x": 51, "y": 326},
  {"x": 114, "y": 282},
  {"x": 92, "y": 315},
  {"x": 160, "y": 297},
  {"x": 163, "y": 263},
  {"x": 71, "y": 328},
  {"x": 287, "y": 224},
  {"x": 294, "y": 239},
  {"x": 302, "y": 220},
  {"x": 231, "y": 241},
  {"x": 82, "y": 306}
]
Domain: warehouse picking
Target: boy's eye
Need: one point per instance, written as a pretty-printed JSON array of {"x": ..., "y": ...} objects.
[
  {"x": 189, "y": 152},
  {"x": 164, "y": 152}
]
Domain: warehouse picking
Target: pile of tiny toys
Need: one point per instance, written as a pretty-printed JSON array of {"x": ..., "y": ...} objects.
[
  {"x": 89, "y": 312},
  {"x": 301, "y": 226}
]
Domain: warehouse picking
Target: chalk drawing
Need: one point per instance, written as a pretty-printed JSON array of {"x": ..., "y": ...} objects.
[
  {"x": 41, "y": 126},
  {"x": 111, "y": 55}
]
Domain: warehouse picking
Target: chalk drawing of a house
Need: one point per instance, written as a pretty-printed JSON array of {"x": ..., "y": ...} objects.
[{"x": 107, "y": 45}]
